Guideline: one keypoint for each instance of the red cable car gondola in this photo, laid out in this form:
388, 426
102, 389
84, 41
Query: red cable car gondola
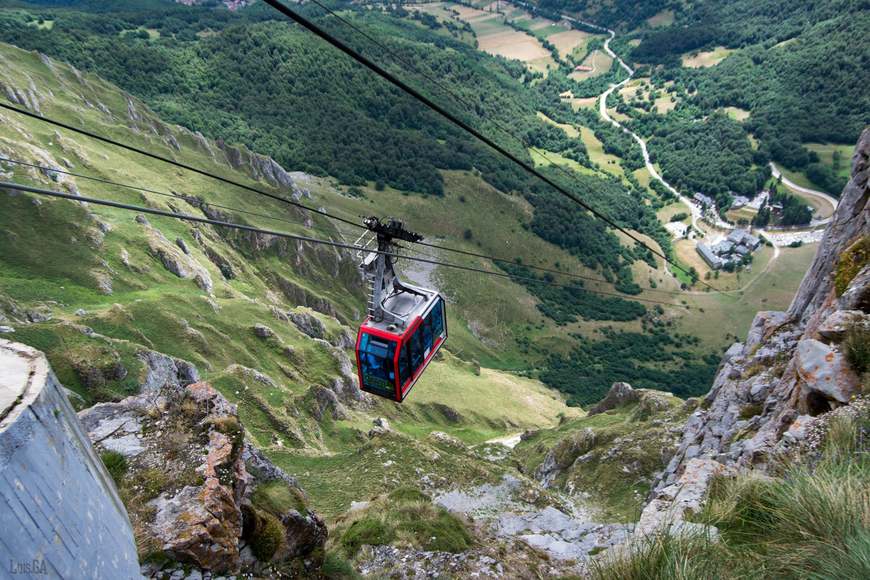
405, 326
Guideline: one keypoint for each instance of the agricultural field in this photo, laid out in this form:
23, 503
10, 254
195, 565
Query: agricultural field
826, 152
706, 59
571, 43
578, 103
736, 113
497, 38
642, 89
663, 18
570, 130
713, 316
607, 162
600, 63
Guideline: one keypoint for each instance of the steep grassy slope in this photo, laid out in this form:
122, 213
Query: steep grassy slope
91, 286
611, 457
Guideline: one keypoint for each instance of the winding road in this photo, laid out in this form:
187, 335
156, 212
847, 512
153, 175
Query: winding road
776, 239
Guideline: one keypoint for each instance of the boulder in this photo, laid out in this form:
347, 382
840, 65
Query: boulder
162, 370
191, 478
263, 331
825, 371
835, 326
620, 394
308, 324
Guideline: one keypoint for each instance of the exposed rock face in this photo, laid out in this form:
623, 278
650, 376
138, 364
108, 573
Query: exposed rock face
162, 370
771, 389
174, 259
191, 479
619, 394
308, 324
682, 498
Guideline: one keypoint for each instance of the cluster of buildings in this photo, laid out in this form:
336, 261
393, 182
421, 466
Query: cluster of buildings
732, 250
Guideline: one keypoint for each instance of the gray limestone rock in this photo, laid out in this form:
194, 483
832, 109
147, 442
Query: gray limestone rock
825, 371
161, 370
263, 331
835, 326
308, 324
620, 394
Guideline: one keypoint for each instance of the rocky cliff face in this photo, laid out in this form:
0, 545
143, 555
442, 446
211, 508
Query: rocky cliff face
196, 492
794, 368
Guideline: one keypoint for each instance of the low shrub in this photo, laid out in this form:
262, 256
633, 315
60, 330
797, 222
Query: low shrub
116, 465
267, 537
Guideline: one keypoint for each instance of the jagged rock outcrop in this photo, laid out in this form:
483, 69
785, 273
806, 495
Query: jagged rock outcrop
162, 370
174, 259
619, 394
791, 369
191, 484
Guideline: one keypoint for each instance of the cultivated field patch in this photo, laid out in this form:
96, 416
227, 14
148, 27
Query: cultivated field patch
736, 113
663, 18
706, 59
570, 42
595, 149
597, 61
498, 39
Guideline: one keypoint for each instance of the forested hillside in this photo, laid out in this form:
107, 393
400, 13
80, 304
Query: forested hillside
797, 69
250, 77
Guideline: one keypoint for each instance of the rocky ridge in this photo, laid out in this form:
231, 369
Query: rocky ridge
196, 492
791, 372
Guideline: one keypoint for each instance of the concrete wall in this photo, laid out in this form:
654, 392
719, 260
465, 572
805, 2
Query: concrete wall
60, 515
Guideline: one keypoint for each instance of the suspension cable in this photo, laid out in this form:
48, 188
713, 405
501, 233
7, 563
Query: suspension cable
179, 164
162, 193
232, 225
46, 168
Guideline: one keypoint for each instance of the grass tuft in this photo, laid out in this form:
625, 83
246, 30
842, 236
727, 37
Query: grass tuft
812, 522
116, 465
368, 531
278, 498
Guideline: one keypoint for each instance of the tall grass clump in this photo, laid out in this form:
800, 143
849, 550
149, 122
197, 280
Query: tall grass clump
813, 521
406, 517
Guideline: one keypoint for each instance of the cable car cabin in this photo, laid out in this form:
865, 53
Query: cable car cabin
391, 359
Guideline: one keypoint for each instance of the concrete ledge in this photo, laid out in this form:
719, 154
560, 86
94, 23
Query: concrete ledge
61, 516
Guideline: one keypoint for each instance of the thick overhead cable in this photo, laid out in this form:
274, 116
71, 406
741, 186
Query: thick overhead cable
185, 166
346, 246
175, 196
380, 71
441, 85
46, 168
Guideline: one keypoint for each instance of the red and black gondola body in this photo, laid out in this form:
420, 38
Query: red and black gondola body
390, 359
